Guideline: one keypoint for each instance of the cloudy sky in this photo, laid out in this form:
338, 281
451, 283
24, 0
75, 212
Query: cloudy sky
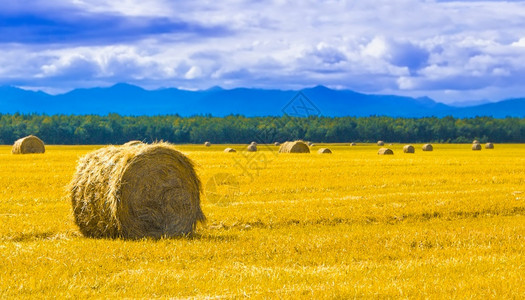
449, 50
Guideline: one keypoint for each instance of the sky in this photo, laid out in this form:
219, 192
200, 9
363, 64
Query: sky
451, 51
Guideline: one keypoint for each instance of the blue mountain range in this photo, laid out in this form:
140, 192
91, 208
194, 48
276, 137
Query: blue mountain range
126, 99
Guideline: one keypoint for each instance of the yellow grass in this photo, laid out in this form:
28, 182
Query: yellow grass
443, 224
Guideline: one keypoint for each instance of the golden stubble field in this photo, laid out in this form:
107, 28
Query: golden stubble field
443, 224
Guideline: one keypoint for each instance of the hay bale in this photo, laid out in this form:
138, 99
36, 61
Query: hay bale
207, 144
135, 192
489, 146
294, 147
353, 144
475, 142
476, 147
230, 150
277, 143
385, 151
324, 151
380, 143
28, 144
252, 148
427, 147
253, 143
133, 143
310, 144
409, 149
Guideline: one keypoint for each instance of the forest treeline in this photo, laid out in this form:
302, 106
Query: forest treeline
116, 129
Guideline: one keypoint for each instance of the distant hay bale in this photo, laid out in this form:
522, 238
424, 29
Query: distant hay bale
310, 144
28, 144
385, 151
252, 148
427, 147
489, 146
380, 143
207, 144
135, 192
133, 143
353, 144
276, 143
409, 149
230, 150
253, 143
324, 151
476, 147
294, 147
475, 142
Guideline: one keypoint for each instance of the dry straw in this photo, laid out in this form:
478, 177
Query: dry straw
489, 146
28, 144
135, 192
380, 143
253, 143
476, 147
230, 150
409, 149
133, 143
294, 147
310, 144
427, 147
207, 144
324, 151
475, 142
252, 148
353, 144
276, 143
385, 151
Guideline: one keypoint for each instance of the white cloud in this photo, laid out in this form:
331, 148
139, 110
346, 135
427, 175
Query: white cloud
414, 46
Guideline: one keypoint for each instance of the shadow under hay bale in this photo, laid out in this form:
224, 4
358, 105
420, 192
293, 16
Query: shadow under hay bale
409, 149
207, 144
27, 145
252, 148
476, 147
135, 192
380, 143
230, 150
294, 147
428, 147
324, 151
489, 146
385, 151
133, 143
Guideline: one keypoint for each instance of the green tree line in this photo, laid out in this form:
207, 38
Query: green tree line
116, 129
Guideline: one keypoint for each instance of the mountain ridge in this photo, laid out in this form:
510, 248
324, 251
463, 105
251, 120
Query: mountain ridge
128, 99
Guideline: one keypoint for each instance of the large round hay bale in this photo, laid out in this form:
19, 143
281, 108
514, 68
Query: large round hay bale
294, 147
475, 142
207, 144
28, 144
380, 143
385, 151
476, 147
324, 151
489, 146
253, 143
135, 192
133, 143
353, 144
252, 148
230, 150
409, 149
427, 147
277, 143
